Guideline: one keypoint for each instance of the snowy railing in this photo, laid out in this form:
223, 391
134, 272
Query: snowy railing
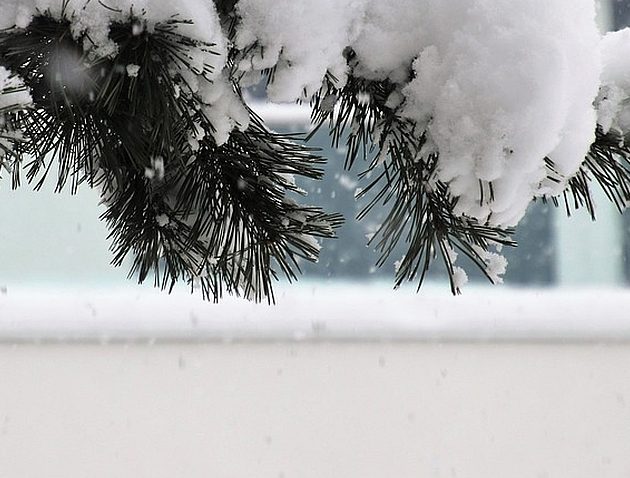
316, 312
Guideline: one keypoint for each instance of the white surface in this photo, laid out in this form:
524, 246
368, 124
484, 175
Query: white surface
304, 311
315, 411
285, 115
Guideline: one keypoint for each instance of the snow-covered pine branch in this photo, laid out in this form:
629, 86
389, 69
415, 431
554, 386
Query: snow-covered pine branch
465, 112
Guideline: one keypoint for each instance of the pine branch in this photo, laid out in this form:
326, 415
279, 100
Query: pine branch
187, 204
608, 164
221, 216
61, 123
225, 221
420, 215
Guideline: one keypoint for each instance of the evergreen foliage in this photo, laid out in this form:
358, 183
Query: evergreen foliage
399, 176
225, 216
608, 164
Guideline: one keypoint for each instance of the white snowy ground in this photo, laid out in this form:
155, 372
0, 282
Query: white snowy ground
313, 388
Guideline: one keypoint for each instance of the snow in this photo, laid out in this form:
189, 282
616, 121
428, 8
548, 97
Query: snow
303, 39
347, 182
460, 278
224, 109
156, 171
162, 220
498, 86
496, 265
133, 70
316, 311
613, 111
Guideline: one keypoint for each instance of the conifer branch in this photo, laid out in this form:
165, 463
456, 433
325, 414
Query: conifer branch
420, 208
607, 164
222, 216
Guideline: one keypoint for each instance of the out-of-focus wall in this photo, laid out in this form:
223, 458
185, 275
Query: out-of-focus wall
308, 410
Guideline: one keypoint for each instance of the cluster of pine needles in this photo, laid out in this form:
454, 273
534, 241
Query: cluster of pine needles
224, 218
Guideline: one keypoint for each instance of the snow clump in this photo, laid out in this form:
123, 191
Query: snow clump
499, 86
613, 102
303, 39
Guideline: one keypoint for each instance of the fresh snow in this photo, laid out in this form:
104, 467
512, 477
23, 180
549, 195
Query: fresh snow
499, 86
315, 311
613, 103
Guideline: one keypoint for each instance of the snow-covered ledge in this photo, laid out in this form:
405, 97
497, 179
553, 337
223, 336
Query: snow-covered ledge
316, 312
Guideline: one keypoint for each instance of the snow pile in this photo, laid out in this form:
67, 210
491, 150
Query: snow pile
613, 102
303, 39
499, 86
222, 106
